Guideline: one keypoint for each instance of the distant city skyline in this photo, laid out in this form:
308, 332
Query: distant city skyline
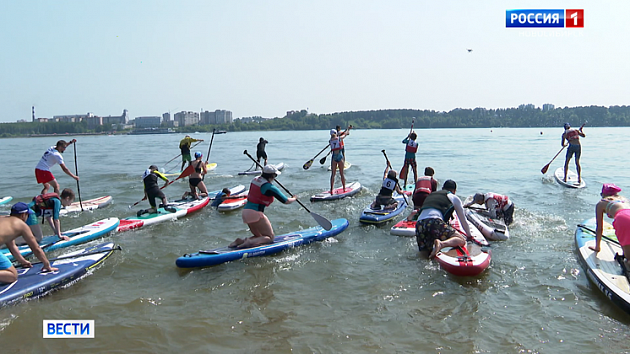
267, 58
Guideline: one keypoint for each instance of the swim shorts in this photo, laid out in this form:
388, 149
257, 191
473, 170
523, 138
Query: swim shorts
622, 226
261, 155
574, 149
384, 200
429, 230
43, 176
337, 156
186, 157
5, 263
152, 194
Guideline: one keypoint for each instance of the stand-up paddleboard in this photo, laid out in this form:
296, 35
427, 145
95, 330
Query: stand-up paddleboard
604, 268
209, 167
469, 260
77, 236
233, 191
339, 193
346, 165
233, 203
173, 211
32, 283
380, 215
572, 179
5, 200
404, 228
408, 190
90, 204
279, 166
492, 229
280, 243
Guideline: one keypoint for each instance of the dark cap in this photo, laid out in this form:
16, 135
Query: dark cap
450, 185
20, 208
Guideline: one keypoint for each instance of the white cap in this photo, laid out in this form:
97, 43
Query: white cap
271, 169
333, 131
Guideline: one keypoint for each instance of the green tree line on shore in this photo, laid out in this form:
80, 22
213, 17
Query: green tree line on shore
523, 116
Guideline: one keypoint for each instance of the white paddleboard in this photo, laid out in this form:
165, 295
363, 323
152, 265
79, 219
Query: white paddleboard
279, 166
572, 179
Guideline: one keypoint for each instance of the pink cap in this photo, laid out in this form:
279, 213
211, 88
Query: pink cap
610, 189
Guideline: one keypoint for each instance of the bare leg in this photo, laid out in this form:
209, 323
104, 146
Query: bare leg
566, 168
8, 276
55, 186
341, 165
262, 231
451, 242
202, 189
333, 166
45, 188
579, 169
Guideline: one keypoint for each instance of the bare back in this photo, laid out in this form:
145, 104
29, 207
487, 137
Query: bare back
11, 228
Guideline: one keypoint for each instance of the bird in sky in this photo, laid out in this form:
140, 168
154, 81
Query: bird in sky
469, 50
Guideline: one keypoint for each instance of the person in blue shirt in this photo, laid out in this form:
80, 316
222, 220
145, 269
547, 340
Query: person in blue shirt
261, 194
221, 197
47, 206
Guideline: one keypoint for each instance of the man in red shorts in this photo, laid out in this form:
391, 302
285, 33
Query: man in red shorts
52, 157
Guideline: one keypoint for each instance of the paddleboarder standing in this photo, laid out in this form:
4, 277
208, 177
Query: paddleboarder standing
572, 136
337, 160
411, 146
184, 146
52, 157
261, 194
260, 151
152, 190
12, 227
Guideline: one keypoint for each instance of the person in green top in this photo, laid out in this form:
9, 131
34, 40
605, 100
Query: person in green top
184, 146
261, 194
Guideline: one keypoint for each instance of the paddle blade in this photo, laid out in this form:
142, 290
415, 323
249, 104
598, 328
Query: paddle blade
323, 160
187, 172
308, 164
322, 221
544, 169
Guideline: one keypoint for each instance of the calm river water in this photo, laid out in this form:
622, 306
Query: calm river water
364, 291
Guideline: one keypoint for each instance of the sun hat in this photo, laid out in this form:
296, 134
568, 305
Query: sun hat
271, 169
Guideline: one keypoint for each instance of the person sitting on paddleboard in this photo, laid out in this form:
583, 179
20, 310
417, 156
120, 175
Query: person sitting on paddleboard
384, 196
618, 208
261, 194
221, 197
572, 136
337, 160
411, 146
184, 147
196, 178
425, 185
433, 229
12, 227
51, 157
499, 206
152, 190
260, 151
48, 207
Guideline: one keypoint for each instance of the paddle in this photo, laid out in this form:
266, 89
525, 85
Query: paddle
187, 172
390, 166
546, 167
322, 221
208, 155
323, 159
180, 154
595, 233
76, 171
308, 163
117, 248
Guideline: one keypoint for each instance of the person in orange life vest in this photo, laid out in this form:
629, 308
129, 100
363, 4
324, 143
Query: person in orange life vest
572, 136
618, 208
343, 134
337, 160
47, 206
424, 186
12, 227
261, 194
411, 146
384, 197
52, 157
499, 206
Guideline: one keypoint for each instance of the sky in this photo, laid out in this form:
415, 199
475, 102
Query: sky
264, 58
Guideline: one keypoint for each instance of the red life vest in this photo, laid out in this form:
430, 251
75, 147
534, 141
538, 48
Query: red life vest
412, 146
336, 144
572, 134
423, 184
502, 200
43, 201
255, 195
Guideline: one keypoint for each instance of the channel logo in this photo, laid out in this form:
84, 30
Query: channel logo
559, 18
68, 328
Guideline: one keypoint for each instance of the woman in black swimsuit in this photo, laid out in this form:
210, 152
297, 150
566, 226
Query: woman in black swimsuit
195, 180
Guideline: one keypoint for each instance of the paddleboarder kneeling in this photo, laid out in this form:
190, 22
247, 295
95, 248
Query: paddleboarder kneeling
572, 136
618, 208
261, 194
196, 178
432, 228
12, 227
384, 196
499, 206
48, 207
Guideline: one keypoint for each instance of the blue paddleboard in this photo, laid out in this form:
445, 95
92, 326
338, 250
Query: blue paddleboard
5, 200
379, 216
282, 242
32, 283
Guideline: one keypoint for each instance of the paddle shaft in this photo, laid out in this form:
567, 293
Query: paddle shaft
197, 143
595, 232
76, 171
276, 180
546, 167
210, 147
390, 166
117, 248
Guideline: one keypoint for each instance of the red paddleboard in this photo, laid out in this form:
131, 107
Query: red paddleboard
404, 228
339, 193
469, 260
